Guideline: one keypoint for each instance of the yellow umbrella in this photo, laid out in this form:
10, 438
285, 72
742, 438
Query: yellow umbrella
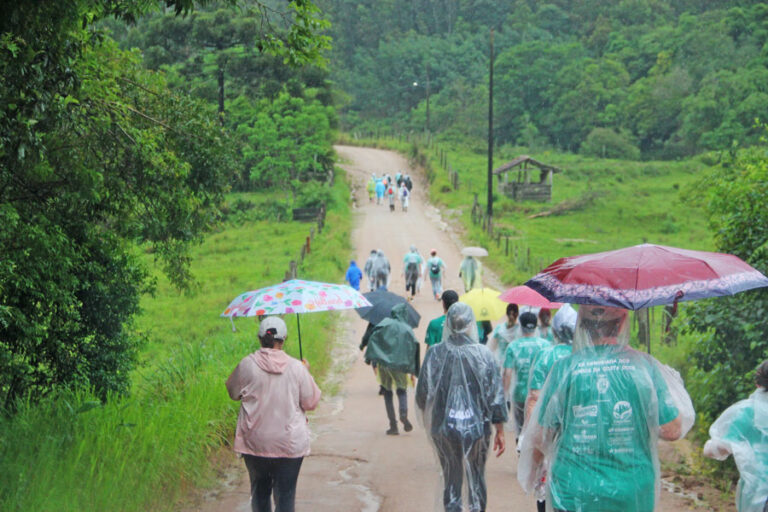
485, 303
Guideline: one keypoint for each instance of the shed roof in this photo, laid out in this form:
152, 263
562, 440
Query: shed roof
525, 159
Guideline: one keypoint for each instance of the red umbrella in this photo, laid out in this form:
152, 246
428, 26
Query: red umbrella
645, 275
526, 296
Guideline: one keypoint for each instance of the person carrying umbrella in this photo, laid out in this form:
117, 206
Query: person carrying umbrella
517, 364
381, 271
353, 275
460, 396
436, 268
598, 419
412, 269
742, 431
392, 348
470, 273
275, 391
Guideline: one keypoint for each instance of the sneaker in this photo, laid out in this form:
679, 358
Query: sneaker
407, 425
392, 431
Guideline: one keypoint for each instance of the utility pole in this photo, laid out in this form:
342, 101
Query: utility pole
490, 134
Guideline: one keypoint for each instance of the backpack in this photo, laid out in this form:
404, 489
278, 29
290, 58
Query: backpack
434, 268
390, 191
405, 192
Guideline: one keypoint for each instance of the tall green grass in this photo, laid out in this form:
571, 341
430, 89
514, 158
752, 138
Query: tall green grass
142, 452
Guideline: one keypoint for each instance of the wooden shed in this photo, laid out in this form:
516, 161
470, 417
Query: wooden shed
526, 186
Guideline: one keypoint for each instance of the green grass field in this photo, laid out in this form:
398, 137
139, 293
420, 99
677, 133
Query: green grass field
142, 452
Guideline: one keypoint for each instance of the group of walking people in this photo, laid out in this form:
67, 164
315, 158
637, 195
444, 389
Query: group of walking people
386, 189
587, 409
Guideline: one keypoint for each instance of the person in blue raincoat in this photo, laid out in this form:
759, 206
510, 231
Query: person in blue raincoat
380, 188
353, 275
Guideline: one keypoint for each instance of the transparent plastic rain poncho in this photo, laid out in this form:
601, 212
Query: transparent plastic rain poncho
460, 395
471, 273
594, 430
380, 270
742, 430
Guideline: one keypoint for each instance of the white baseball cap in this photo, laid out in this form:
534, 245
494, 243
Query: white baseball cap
276, 324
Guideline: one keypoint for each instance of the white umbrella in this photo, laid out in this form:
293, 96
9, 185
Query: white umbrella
474, 251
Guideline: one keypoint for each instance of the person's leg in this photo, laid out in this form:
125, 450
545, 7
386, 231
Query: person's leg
519, 416
389, 405
541, 506
286, 476
261, 477
402, 402
450, 458
475, 457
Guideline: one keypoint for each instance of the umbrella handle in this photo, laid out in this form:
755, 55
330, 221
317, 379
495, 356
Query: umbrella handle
298, 328
233, 324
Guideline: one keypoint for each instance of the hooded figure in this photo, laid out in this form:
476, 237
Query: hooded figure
380, 268
412, 265
393, 349
470, 273
353, 275
460, 395
368, 269
742, 430
595, 428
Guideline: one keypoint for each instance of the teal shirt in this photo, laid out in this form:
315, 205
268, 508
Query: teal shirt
519, 356
603, 402
435, 260
435, 331
543, 364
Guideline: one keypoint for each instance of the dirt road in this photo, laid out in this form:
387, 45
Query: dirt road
354, 466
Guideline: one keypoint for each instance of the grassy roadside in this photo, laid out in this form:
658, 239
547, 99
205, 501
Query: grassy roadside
70, 453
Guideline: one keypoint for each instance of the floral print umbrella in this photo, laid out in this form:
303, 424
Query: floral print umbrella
296, 296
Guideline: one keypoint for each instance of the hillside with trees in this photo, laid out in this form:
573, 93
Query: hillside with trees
648, 78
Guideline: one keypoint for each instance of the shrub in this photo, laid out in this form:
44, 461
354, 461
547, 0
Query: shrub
606, 143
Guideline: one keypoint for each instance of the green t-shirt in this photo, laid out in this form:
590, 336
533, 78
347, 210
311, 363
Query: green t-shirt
435, 331
435, 260
543, 364
519, 356
603, 401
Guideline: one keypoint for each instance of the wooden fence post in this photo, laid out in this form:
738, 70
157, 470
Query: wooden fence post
506, 246
294, 266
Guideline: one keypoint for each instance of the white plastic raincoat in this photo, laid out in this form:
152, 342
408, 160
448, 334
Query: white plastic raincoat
460, 395
742, 430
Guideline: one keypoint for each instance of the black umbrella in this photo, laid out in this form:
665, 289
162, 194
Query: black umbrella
383, 301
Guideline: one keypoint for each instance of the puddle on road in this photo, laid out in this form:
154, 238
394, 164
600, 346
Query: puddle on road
677, 490
370, 501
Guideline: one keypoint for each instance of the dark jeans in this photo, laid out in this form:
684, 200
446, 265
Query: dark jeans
269, 473
519, 416
458, 457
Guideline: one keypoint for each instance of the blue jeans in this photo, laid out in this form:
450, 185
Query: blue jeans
437, 285
273, 473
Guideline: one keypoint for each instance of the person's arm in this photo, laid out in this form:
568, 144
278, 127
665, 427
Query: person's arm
507, 380
716, 449
499, 444
671, 430
235, 382
530, 403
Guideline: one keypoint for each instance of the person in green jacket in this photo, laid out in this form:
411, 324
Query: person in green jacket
517, 364
597, 423
392, 347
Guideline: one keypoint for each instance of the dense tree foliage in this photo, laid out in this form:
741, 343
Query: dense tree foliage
99, 158
673, 77
734, 332
217, 55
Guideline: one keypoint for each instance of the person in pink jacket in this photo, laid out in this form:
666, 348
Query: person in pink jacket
275, 391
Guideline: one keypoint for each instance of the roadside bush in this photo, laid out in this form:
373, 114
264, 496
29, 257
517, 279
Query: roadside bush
606, 143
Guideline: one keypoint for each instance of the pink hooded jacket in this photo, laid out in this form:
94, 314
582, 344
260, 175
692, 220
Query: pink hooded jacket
275, 390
